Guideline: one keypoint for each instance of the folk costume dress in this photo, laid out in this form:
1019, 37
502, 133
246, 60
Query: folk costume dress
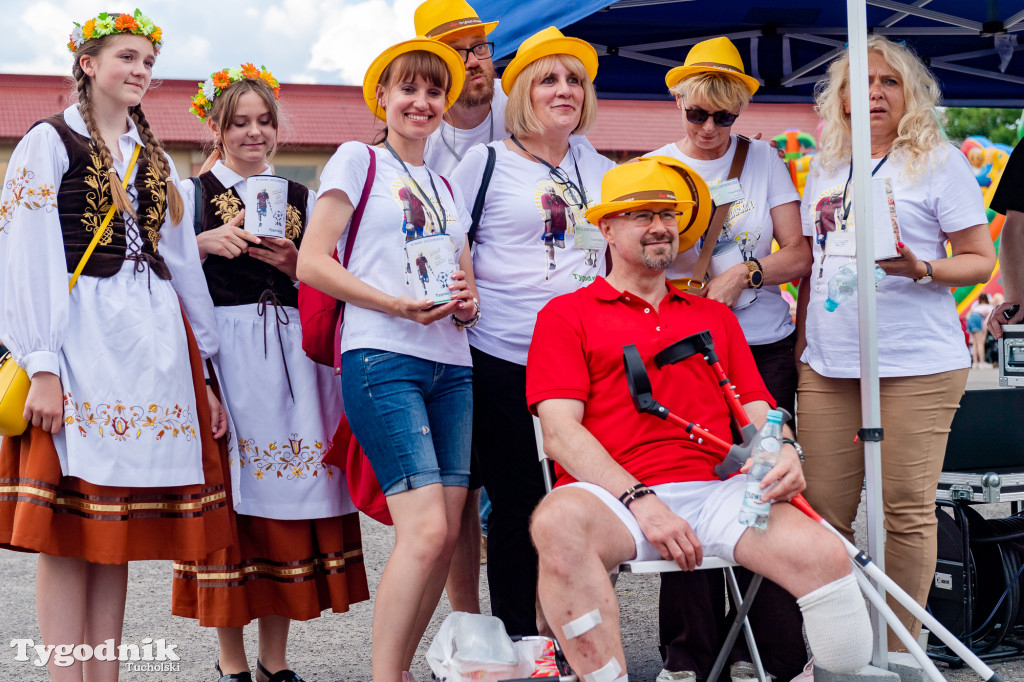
134, 473
299, 548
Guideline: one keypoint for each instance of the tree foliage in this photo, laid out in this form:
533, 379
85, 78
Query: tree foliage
998, 125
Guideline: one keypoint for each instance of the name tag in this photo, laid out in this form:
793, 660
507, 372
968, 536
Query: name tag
726, 191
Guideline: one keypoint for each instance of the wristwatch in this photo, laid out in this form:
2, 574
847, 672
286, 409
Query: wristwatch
927, 276
755, 278
796, 446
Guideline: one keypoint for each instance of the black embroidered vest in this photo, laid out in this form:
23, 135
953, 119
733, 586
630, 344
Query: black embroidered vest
83, 201
242, 280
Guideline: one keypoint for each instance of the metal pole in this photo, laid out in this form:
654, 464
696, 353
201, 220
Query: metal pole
866, 306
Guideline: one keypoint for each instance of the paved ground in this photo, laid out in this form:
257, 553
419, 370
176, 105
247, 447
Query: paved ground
336, 646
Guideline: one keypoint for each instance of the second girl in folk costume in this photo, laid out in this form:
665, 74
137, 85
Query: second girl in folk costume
299, 548
119, 463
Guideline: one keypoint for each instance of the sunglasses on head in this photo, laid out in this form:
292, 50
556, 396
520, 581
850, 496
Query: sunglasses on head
722, 119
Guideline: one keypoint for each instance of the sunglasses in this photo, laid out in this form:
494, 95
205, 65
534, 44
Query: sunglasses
722, 119
571, 192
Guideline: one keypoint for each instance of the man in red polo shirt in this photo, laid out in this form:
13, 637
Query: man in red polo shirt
604, 448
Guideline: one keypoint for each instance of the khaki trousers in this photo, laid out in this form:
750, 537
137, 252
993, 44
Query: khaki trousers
916, 414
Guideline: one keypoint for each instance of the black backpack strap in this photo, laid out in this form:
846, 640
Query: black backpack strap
481, 194
197, 200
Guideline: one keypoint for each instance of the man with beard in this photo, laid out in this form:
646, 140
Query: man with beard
633, 486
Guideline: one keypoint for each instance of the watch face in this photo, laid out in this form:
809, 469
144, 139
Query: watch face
756, 279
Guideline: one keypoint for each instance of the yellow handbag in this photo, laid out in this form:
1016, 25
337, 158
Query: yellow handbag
14, 380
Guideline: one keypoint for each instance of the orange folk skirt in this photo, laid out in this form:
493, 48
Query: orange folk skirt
293, 569
42, 510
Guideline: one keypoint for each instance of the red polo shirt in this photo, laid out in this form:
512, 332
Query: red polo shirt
576, 353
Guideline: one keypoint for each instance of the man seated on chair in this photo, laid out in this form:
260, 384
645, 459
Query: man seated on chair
604, 448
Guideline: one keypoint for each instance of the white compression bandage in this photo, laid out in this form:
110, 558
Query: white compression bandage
838, 628
608, 673
585, 623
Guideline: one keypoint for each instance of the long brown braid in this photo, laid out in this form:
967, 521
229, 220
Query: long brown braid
155, 152
84, 84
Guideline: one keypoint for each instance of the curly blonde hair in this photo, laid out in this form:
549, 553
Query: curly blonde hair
919, 132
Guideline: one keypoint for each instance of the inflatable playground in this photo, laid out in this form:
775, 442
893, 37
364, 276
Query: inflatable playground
986, 157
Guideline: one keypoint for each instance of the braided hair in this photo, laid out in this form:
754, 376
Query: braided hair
222, 111
154, 149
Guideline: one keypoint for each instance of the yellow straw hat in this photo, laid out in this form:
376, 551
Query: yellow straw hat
657, 180
715, 55
451, 58
544, 43
436, 18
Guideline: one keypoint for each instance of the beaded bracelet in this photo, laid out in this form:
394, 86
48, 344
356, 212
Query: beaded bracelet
639, 493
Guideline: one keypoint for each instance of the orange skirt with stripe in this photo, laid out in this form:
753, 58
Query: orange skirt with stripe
42, 510
294, 569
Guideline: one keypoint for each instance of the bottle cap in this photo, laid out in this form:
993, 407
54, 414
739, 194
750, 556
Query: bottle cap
830, 305
775, 416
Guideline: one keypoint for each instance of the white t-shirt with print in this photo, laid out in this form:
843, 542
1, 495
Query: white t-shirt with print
510, 259
378, 255
766, 184
918, 328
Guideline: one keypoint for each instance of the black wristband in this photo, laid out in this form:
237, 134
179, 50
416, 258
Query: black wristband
209, 381
639, 493
623, 496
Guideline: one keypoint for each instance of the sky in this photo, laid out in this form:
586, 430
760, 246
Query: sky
299, 41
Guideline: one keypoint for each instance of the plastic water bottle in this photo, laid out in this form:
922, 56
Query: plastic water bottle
767, 451
843, 284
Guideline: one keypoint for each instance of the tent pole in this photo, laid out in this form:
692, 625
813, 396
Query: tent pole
866, 305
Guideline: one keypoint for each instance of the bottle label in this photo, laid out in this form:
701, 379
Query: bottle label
770, 444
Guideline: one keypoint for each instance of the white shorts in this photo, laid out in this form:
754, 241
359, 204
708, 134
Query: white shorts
711, 508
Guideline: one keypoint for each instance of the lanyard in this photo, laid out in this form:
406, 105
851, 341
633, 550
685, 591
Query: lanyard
558, 173
442, 219
490, 136
848, 206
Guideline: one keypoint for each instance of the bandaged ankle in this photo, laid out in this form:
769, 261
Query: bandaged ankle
838, 628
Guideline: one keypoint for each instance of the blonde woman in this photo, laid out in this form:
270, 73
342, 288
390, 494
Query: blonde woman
533, 243
923, 362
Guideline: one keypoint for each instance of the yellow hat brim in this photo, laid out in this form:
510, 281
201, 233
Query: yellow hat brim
451, 58
673, 77
575, 47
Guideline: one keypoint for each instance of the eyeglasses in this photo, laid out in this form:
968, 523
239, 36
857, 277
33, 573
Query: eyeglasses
645, 218
722, 119
481, 50
571, 192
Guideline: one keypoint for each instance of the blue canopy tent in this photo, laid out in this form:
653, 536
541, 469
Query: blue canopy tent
971, 46
784, 43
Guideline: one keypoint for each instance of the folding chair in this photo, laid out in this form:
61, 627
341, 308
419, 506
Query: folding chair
743, 602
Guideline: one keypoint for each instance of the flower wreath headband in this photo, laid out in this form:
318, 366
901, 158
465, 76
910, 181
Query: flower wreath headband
215, 84
108, 24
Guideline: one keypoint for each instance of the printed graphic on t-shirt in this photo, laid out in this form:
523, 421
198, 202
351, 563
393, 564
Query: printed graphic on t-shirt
745, 236
824, 215
562, 211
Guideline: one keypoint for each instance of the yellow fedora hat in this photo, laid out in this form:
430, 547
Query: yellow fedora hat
436, 18
548, 42
715, 55
657, 180
451, 58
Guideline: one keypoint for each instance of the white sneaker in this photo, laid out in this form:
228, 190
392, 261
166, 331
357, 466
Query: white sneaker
742, 671
682, 676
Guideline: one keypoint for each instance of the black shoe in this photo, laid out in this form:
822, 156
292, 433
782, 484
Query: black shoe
234, 677
279, 676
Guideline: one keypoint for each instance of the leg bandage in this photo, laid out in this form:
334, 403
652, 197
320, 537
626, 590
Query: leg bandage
609, 673
838, 628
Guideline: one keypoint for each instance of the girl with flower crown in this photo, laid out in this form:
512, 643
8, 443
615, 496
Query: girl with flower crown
298, 549
119, 462
406, 375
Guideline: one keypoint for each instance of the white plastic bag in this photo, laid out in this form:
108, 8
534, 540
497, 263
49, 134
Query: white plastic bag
473, 647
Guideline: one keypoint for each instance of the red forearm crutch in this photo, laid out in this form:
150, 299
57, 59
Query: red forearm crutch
639, 383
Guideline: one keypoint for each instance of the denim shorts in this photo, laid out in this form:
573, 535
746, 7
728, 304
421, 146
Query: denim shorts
413, 417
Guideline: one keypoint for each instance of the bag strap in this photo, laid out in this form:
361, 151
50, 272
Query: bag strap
696, 283
197, 216
481, 194
357, 216
106, 221
448, 185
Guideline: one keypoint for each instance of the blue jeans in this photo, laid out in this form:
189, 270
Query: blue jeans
413, 417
